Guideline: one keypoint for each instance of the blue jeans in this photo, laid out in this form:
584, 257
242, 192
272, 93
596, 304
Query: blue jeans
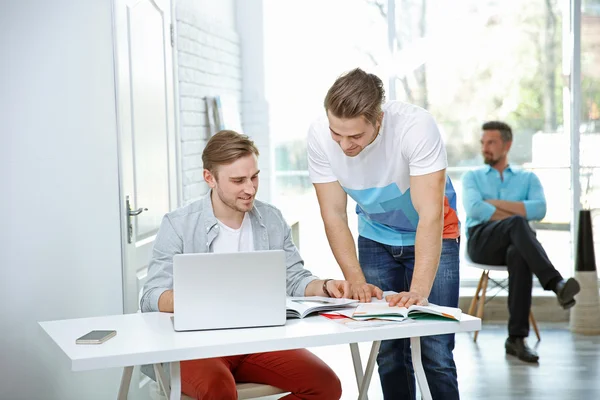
391, 268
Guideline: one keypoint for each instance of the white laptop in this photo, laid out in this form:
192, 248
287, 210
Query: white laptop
229, 290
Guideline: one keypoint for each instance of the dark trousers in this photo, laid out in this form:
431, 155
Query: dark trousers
512, 242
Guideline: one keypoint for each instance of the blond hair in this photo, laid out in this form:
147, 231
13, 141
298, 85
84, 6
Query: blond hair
356, 94
226, 147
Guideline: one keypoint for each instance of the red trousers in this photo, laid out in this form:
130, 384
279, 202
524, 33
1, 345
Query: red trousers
297, 371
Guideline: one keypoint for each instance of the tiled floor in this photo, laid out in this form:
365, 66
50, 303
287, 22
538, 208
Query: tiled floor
569, 367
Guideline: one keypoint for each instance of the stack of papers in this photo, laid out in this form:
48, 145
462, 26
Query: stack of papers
345, 318
300, 307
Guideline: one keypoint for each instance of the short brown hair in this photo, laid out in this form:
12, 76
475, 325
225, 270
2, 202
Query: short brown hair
503, 127
225, 147
356, 94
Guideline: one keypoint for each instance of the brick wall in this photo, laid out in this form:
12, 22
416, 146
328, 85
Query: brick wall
208, 58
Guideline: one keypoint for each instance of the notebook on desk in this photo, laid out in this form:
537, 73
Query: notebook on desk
229, 290
382, 310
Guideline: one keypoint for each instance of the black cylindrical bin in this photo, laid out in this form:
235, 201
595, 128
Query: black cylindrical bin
586, 259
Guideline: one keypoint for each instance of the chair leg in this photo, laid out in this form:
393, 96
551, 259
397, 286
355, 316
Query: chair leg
476, 296
534, 324
481, 304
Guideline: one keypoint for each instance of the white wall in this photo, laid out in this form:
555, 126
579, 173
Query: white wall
208, 58
60, 236
60, 252
255, 108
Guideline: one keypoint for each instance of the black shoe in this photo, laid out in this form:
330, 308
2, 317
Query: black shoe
566, 291
517, 347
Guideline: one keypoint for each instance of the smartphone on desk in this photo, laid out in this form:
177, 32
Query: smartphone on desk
96, 337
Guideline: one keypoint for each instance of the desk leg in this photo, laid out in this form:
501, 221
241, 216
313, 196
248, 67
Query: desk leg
417, 360
163, 384
125, 382
175, 381
366, 380
358, 369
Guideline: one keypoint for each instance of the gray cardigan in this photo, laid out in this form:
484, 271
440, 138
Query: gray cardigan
192, 229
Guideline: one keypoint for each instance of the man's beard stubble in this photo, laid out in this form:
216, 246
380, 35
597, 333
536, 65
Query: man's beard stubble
490, 161
231, 204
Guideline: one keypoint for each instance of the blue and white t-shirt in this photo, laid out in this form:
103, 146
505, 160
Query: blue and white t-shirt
378, 179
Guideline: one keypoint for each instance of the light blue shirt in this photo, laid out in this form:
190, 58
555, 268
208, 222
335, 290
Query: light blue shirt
486, 184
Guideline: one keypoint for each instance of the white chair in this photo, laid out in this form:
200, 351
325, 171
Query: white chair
250, 391
479, 299
245, 391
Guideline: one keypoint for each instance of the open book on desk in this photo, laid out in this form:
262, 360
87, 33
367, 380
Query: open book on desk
382, 310
300, 307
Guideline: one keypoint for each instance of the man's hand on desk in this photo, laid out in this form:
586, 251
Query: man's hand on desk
406, 299
363, 292
337, 289
343, 289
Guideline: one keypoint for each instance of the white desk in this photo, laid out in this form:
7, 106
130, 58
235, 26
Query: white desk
149, 338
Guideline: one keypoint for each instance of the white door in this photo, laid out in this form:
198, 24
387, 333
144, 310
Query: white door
146, 122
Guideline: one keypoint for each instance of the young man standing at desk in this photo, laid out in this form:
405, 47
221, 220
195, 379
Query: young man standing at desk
229, 219
390, 158
500, 201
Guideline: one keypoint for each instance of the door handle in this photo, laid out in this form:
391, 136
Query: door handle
136, 212
131, 213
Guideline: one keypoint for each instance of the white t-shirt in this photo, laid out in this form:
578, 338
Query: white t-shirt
378, 179
231, 240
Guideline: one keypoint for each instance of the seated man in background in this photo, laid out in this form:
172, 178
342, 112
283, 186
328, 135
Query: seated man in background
499, 201
228, 219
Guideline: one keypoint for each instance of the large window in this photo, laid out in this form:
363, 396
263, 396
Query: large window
503, 61
466, 62
590, 114
308, 44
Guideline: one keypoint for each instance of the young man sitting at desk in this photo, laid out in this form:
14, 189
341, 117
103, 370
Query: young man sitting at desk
229, 219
